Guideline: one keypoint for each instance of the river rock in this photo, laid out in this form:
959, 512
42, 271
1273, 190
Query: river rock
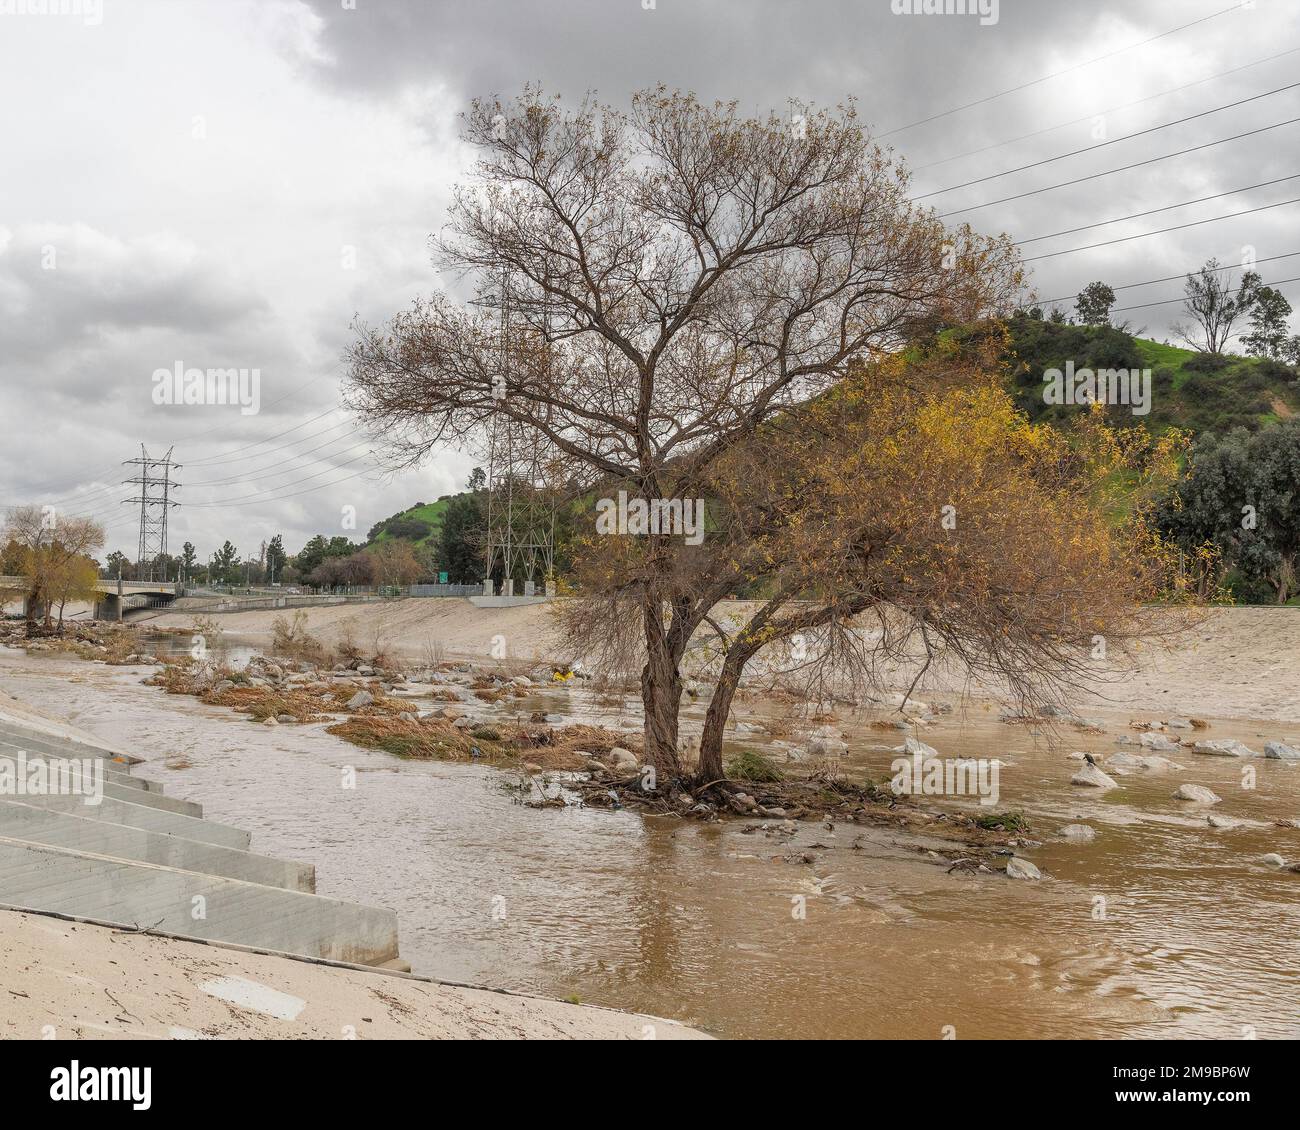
624, 760
1273, 860
1280, 751
1214, 820
1124, 762
1093, 777
1224, 747
1198, 793
521, 681
1179, 723
360, 699
1158, 742
913, 746
269, 721
1080, 833
1018, 868
825, 741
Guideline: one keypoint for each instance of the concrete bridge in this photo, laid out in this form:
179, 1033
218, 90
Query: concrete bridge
116, 596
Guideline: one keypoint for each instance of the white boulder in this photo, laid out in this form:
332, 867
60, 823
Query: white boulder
1093, 777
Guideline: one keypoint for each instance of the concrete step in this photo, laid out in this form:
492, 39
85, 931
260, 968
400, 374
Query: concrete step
153, 800
114, 771
116, 774
115, 811
58, 745
34, 824
57, 880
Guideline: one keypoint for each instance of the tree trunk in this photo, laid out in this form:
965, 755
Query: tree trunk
715, 720
661, 694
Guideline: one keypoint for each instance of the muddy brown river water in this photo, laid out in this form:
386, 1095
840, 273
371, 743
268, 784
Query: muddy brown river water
1160, 927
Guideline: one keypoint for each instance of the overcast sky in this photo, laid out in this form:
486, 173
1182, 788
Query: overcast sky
229, 184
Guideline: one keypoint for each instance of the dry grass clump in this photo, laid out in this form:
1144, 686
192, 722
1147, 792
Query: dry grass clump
292, 639
437, 739
266, 702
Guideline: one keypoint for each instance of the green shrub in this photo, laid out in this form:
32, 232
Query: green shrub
750, 765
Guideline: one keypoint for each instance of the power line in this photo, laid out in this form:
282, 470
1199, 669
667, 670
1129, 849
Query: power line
1153, 211
1057, 74
1099, 113
192, 436
92, 496
263, 442
271, 490
277, 474
309, 490
1121, 169
1162, 231
1171, 301
1152, 282
1106, 144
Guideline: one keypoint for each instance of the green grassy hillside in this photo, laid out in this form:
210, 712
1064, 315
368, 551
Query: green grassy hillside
1198, 391
421, 523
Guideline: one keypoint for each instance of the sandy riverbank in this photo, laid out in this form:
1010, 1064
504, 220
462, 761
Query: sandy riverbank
1237, 663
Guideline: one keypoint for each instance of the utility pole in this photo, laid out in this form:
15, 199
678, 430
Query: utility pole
155, 503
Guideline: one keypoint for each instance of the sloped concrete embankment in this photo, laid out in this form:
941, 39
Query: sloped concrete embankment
143, 860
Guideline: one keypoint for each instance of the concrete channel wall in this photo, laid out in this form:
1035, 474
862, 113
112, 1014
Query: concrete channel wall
143, 860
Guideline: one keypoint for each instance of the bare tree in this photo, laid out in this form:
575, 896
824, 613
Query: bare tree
676, 275
1214, 307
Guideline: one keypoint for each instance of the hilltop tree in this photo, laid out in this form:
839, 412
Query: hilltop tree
1269, 335
1214, 307
675, 276
1094, 303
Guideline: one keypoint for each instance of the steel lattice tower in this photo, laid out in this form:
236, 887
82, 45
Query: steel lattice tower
155, 503
521, 506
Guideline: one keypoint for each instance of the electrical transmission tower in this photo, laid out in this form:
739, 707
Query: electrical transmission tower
155, 503
520, 539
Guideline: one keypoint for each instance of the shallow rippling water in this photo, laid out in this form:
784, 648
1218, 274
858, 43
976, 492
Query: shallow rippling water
1198, 937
